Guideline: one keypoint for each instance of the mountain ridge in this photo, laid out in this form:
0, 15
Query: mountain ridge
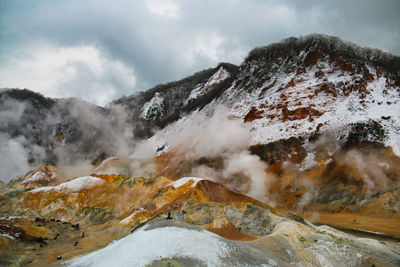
332, 44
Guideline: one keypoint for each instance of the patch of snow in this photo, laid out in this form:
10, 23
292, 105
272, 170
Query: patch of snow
9, 218
185, 180
153, 107
219, 76
74, 185
143, 246
37, 177
371, 232
7, 235
199, 90
195, 93
130, 217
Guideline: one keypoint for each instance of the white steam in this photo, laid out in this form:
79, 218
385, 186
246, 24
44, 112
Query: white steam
90, 131
370, 169
199, 136
14, 158
252, 167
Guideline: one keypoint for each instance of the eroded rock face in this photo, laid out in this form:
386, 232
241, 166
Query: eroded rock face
255, 220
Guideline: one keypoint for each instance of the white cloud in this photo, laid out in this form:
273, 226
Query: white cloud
284, 14
205, 45
82, 71
165, 8
213, 47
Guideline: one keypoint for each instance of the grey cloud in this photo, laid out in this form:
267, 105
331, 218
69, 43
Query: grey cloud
161, 48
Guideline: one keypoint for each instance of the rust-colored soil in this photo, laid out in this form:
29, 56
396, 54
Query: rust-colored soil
382, 226
229, 231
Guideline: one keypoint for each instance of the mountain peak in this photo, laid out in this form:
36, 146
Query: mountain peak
325, 44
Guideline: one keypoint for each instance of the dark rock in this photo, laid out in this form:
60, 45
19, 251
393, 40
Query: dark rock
280, 150
365, 132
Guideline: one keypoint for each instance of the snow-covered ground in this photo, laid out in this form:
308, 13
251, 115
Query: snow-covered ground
149, 244
128, 219
74, 185
185, 180
39, 176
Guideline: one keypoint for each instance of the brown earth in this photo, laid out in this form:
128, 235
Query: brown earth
62, 223
389, 227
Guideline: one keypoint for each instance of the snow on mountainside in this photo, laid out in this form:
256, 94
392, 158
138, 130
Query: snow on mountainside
153, 109
295, 104
302, 125
185, 180
166, 103
76, 185
310, 85
202, 89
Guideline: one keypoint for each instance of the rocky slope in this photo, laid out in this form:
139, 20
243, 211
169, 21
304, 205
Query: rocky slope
320, 112
184, 222
64, 131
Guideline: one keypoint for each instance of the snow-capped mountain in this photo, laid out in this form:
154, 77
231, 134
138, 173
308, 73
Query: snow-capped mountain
318, 111
158, 107
300, 87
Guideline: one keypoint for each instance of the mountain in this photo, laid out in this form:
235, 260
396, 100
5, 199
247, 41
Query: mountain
166, 103
321, 112
66, 131
304, 132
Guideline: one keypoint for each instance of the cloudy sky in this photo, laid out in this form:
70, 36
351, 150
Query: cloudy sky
101, 50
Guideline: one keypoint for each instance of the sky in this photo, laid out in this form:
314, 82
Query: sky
101, 50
